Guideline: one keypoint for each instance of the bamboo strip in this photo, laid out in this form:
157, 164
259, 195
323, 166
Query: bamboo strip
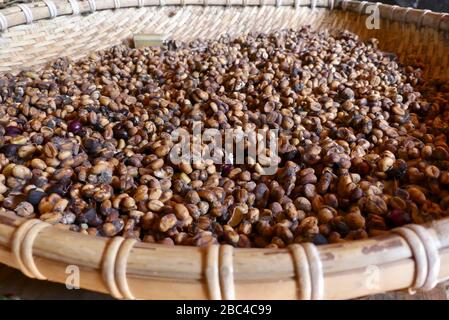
146, 281
75, 36
15, 17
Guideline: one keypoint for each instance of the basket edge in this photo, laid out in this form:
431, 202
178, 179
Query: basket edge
27, 14
223, 268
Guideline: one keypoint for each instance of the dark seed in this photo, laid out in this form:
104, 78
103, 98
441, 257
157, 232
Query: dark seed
13, 131
341, 227
35, 196
362, 168
38, 180
290, 156
91, 145
319, 239
10, 150
398, 170
91, 218
399, 218
120, 132
298, 87
226, 169
56, 189
74, 126
347, 94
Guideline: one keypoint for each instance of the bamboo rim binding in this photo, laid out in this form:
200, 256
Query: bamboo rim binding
313, 267
127, 269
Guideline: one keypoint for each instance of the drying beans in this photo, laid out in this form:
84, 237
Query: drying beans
362, 141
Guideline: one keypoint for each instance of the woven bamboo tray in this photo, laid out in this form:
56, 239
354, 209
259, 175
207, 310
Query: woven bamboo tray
409, 257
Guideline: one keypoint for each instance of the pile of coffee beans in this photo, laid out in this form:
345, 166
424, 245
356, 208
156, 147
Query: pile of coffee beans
361, 146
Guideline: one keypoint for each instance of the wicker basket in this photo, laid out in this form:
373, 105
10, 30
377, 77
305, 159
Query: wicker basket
409, 257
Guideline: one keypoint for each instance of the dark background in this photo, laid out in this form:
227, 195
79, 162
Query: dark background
434, 5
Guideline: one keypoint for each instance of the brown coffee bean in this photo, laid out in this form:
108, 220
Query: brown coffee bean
167, 222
